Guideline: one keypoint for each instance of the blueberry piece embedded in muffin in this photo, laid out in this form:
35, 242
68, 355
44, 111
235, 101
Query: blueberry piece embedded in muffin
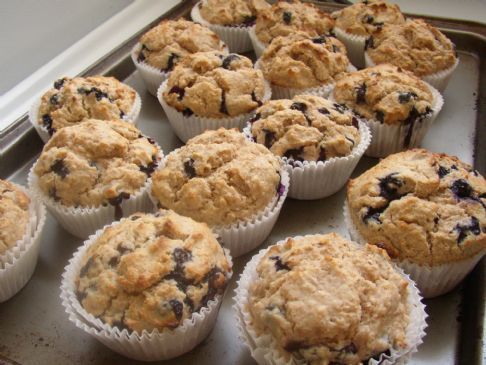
171, 62
389, 186
404, 98
464, 229
361, 94
287, 17
177, 90
228, 59
443, 171
189, 168
369, 43
58, 84
59, 168
279, 264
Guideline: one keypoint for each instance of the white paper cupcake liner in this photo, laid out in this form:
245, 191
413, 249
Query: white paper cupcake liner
43, 133
187, 127
145, 346
264, 348
151, 76
439, 80
243, 236
388, 139
432, 281
355, 45
20, 264
316, 180
236, 38
83, 221
258, 46
279, 92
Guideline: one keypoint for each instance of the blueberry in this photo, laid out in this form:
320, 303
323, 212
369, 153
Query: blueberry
223, 109
47, 121
368, 19
341, 108
181, 256
177, 308
319, 40
150, 168
255, 118
58, 84
255, 99
443, 171
380, 116
212, 278
141, 55
322, 154
177, 90
389, 186
324, 111
294, 154
269, 138
302, 108
59, 168
374, 214
84, 270
404, 98
335, 48
279, 265
122, 114
292, 346
287, 17
116, 202
463, 230
248, 21
171, 62
54, 99
187, 112
369, 43
189, 168
355, 123
228, 59
461, 188
361, 94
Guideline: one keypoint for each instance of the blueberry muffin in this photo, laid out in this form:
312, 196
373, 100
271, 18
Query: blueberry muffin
414, 46
385, 93
14, 215
326, 300
423, 207
239, 13
72, 100
306, 128
285, 18
365, 17
215, 85
300, 61
151, 272
219, 178
95, 163
165, 45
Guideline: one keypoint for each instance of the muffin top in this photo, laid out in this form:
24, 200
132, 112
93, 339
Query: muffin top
420, 206
96, 162
151, 272
364, 18
215, 85
165, 45
327, 300
218, 177
232, 12
307, 128
72, 100
14, 214
300, 61
414, 46
385, 93
285, 18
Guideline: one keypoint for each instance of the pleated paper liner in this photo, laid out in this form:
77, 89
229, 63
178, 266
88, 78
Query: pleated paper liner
432, 281
145, 346
439, 80
83, 221
319, 179
186, 127
265, 350
43, 133
258, 46
392, 138
279, 92
355, 46
18, 265
236, 37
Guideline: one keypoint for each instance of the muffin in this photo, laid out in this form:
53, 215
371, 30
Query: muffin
70, 101
285, 18
320, 142
355, 23
300, 63
427, 211
226, 181
321, 299
208, 90
94, 172
231, 20
414, 46
160, 49
160, 274
398, 107
21, 222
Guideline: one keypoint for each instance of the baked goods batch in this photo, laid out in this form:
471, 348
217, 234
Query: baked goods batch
159, 232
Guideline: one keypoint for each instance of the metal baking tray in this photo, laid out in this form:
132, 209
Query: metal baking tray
35, 330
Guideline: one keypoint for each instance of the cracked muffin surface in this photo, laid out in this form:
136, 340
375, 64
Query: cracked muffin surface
219, 178
306, 128
72, 100
14, 214
414, 46
385, 93
364, 18
421, 206
215, 85
165, 45
96, 163
300, 61
232, 12
327, 300
152, 271
285, 18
